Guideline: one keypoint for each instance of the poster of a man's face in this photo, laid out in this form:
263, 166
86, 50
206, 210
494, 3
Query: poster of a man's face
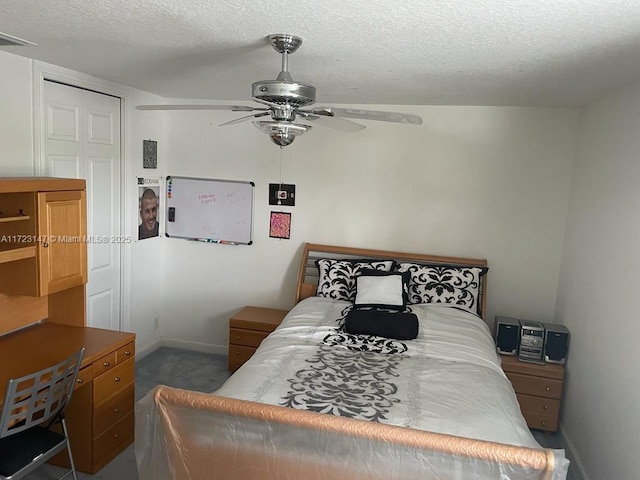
148, 226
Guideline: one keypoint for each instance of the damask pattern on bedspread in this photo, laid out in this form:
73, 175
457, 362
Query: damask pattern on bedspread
354, 381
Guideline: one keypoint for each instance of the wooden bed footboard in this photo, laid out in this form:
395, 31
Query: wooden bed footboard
184, 435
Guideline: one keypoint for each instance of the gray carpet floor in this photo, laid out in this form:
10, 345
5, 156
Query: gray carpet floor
202, 372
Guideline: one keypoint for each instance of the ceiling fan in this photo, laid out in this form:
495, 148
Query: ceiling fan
284, 100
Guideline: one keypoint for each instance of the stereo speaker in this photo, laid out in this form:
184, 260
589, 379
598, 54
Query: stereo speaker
556, 343
507, 335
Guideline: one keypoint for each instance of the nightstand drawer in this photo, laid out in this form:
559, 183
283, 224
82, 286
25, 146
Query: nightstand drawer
249, 338
541, 422
539, 405
237, 352
540, 386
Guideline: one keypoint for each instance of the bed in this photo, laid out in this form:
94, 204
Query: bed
383, 369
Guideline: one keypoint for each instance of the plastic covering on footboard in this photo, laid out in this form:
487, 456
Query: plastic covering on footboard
184, 435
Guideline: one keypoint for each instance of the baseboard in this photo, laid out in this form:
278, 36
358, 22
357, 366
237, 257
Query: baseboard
577, 466
195, 346
184, 345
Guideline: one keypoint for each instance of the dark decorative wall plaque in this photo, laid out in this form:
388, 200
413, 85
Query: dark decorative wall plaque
149, 154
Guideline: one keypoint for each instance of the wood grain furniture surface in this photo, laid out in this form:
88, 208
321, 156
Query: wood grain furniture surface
43, 251
100, 415
539, 391
247, 329
43, 272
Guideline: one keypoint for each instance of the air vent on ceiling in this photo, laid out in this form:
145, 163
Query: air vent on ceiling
11, 41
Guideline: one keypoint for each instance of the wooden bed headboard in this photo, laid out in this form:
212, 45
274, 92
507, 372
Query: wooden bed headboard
308, 272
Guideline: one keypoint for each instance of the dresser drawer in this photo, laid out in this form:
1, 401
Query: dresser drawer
249, 338
115, 438
104, 363
539, 386
113, 382
541, 422
126, 352
235, 364
112, 411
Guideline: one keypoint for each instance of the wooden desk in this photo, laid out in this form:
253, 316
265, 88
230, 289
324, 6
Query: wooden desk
100, 415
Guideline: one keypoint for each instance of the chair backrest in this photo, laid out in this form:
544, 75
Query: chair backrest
40, 396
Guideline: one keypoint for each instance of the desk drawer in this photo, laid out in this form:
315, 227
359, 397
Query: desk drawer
249, 338
114, 438
126, 352
104, 363
112, 411
84, 376
113, 382
540, 386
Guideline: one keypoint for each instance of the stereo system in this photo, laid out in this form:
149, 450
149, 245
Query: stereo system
531, 341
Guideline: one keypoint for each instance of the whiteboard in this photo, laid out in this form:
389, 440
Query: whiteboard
209, 210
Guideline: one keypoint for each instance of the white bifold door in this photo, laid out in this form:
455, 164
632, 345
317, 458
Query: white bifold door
82, 140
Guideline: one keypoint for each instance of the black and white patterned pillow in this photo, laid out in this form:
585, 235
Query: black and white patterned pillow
444, 284
338, 277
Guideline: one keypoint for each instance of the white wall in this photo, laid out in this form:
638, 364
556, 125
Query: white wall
16, 132
471, 181
598, 289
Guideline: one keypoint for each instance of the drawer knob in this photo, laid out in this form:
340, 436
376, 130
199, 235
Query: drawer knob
544, 423
116, 410
237, 337
545, 407
106, 364
237, 353
80, 380
116, 436
548, 389
127, 353
116, 379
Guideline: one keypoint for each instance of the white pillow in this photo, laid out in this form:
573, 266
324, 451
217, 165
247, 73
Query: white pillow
379, 291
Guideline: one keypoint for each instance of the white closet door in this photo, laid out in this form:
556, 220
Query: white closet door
82, 140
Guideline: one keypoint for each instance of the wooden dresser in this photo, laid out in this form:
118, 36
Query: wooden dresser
247, 329
539, 391
43, 272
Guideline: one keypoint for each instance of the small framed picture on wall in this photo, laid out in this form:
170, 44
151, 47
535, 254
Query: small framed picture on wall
280, 225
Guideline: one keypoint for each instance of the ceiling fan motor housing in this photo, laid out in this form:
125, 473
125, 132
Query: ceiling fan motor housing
276, 91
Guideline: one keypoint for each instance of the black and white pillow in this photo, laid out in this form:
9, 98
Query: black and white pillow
444, 284
379, 289
338, 277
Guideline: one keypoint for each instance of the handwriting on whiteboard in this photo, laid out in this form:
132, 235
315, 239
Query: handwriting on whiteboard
207, 198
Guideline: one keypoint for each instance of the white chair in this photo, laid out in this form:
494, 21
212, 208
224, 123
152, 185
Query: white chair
33, 404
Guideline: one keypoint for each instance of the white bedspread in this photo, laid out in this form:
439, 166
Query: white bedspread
448, 380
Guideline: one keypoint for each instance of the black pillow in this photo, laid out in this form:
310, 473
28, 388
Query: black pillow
398, 325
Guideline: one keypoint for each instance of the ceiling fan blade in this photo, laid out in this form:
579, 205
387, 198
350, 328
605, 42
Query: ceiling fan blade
335, 123
264, 102
244, 119
234, 108
395, 117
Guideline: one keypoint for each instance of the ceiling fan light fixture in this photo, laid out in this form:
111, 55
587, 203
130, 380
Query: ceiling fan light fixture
282, 133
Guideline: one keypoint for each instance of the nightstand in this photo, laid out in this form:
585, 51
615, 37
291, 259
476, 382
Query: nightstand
539, 391
247, 329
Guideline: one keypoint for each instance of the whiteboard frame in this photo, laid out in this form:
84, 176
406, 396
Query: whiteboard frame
220, 180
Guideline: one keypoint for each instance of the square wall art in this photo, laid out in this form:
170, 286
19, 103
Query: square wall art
280, 226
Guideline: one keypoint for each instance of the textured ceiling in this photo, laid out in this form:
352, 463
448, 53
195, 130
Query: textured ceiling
455, 52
